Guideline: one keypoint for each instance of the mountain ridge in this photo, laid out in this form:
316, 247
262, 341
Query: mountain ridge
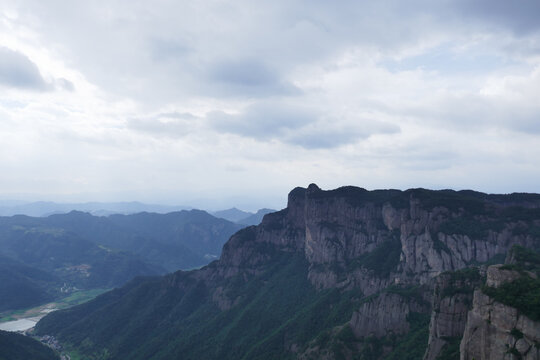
362, 252
43, 258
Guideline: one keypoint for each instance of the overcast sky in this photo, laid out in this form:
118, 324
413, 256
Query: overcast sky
221, 103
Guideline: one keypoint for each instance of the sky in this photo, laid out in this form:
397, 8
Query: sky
234, 103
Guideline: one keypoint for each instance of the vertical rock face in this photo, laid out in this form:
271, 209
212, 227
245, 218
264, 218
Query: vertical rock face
337, 230
497, 331
385, 315
452, 300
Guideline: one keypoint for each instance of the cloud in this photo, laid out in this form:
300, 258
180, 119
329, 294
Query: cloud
330, 134
248, 77
262, 120
18, 71
521, 17
167, 50
172, 124
500, 103
381, 94
64, 84
301, 126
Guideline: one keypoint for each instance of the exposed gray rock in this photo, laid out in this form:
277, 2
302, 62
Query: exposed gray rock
333, 231
492, 328
497, 276
384, 315
451, 303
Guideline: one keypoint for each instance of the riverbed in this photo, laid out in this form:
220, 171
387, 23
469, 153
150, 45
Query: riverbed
19, 325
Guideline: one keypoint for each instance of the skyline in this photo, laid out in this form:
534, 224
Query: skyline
174, 103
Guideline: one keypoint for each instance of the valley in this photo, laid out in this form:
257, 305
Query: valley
25, 319
55, 258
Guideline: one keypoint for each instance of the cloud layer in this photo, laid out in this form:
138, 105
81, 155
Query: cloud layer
185, 101
16, 70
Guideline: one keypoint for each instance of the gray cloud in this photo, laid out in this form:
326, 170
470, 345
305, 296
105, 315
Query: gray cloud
264, 120
244, 73
165, 50
329, 134
172, 124
245, 49
249, 77
476, 113
17, 70
522, 17
296, 126
461, 83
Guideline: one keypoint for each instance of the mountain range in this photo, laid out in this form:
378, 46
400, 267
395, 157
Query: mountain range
46, 208
43, 258
242, 217
340, 274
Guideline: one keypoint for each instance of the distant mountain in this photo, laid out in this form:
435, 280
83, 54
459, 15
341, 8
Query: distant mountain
243, 217
14, 346
340, 274
41, 255
177, 240
232, 214
256, 218
67, 256
45, 208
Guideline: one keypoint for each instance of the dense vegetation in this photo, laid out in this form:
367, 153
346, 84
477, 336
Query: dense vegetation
450, 350
276, 303
14, 346
22, 286
383, 259
466, 200
178, 240
522, 293
39, 257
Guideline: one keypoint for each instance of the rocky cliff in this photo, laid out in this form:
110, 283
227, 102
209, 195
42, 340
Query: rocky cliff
451, 301
504, 322
347, 273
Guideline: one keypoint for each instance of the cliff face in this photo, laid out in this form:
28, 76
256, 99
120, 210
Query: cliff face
369, 269
452, 300
498, 331
417, 235
385, 315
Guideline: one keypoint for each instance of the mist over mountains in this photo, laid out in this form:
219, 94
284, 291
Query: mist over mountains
46, 208
44, 258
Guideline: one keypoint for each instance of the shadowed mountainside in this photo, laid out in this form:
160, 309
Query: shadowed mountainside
19, 347
44, 258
